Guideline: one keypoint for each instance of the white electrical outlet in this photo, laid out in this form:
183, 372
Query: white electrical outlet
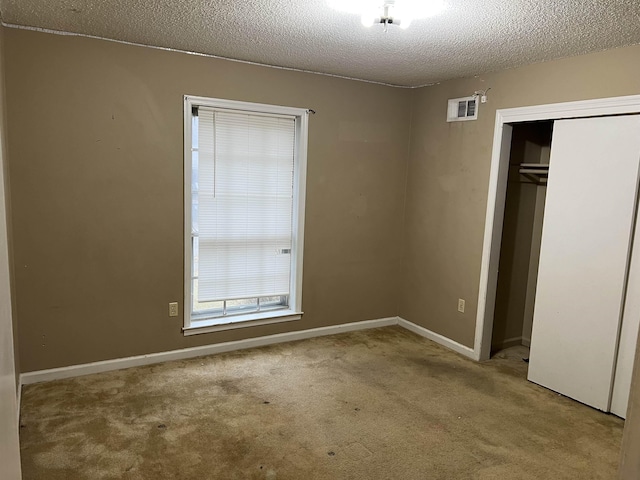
461, 303
173, 309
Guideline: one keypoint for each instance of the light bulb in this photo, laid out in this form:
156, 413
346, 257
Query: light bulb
368, 19
369, 15
405, 22
408, 10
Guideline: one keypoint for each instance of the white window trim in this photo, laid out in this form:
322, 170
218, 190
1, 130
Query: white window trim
197, 325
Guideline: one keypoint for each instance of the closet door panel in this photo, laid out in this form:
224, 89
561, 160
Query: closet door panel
590, 205
628, 333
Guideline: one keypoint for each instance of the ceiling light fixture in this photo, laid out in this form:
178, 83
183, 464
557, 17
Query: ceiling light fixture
386, 12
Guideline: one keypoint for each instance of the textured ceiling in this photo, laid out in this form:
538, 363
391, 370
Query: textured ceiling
470, 37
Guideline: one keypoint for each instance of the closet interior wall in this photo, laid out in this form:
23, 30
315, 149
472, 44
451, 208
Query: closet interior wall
521, 234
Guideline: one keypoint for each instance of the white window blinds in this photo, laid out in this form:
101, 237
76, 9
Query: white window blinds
245, 204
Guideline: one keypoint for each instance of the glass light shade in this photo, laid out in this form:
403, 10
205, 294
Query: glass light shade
413, 9
403, 11
368, 19
405, 22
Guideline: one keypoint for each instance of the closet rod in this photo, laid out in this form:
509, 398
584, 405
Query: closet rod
538, 172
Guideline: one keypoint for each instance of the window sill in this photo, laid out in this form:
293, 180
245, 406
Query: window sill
209, 325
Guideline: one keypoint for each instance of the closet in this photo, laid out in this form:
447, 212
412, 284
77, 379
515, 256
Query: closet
521, 234
583, 274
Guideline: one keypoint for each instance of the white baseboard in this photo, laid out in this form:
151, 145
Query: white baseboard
119, 363
512, 342
509, 342
436, 337
139, 360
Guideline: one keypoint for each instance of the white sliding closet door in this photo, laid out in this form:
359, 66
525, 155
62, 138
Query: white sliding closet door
628, 334
589, 212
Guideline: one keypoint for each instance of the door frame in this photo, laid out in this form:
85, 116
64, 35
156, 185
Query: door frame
498, 186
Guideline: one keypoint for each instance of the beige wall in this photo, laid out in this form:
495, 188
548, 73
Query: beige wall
6, 197
95, 140
9, 444
448, 177
95, 143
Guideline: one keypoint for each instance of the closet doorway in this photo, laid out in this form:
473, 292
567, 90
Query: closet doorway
507, 285
521, 234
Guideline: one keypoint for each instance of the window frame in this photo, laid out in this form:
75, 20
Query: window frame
195, 324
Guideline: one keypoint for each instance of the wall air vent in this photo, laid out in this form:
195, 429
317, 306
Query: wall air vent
462, 109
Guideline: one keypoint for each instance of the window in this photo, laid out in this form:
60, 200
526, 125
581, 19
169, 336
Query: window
245, 168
